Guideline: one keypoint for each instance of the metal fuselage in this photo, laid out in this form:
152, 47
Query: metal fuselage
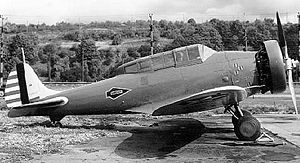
152, 89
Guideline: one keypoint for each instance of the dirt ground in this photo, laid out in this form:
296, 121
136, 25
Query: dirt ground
197, 137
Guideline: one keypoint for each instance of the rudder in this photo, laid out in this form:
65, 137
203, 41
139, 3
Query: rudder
12, 90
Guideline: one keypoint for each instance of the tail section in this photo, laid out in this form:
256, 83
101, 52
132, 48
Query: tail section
12, 90
23, 87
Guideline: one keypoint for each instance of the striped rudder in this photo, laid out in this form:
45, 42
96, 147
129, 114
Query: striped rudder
23, 86
12, 90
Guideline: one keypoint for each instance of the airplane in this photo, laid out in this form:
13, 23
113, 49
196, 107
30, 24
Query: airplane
188, 79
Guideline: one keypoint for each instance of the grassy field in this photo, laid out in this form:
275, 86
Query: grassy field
21, 138
278, 103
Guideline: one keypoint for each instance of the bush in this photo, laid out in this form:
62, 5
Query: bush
41, 70
117, 39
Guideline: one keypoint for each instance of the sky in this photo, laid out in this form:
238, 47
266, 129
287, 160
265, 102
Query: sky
85, 11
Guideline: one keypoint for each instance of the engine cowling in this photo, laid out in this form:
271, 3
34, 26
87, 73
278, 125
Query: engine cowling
277, 67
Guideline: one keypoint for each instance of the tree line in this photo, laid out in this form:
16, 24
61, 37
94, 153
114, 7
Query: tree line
43, 49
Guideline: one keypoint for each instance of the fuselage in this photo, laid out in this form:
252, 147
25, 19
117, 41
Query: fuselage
154, 88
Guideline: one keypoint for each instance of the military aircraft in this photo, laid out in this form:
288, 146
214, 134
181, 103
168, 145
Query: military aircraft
188, 79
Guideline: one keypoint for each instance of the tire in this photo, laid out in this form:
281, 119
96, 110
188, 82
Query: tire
245, 113
58, 124
247, 128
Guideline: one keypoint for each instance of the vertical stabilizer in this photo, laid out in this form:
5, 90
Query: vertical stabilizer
23, 87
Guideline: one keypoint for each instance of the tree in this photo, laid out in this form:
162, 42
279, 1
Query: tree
28, 43
117, 39
107, 56
164, 28
145, 50
132, 52
291, 33
86, 50
179, 41
223, 27
192, 22
51, 57
71, 75
48, 49
271, 27
188, 31
199, 34
252, 35
72, 36
156, 35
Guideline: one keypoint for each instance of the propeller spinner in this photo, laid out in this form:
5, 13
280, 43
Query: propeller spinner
288, 60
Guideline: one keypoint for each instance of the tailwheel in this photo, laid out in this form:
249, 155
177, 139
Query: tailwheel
247, 128
55, 120
57, 124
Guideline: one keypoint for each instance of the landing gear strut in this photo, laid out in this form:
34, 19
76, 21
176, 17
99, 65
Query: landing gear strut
246, 127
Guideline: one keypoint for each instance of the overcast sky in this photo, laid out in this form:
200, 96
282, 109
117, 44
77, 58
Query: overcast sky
52, 11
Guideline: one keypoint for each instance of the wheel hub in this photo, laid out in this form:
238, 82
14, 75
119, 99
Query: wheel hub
247, 129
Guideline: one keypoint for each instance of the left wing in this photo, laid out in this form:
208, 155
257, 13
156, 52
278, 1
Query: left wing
205, 100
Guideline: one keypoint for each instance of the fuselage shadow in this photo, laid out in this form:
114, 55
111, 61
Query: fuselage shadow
163, 138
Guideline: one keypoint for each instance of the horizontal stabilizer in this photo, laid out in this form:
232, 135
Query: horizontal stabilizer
32, 108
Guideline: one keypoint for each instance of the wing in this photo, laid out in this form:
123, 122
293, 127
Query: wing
35, 107
205, 100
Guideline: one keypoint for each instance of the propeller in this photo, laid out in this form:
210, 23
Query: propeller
288, 61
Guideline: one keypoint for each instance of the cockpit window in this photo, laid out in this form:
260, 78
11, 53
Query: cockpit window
205, 52
193, 53
169, 59
158, 62
145, 65
181, 55
131, 68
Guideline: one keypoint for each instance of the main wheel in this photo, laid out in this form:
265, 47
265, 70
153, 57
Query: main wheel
245, 113
247, 128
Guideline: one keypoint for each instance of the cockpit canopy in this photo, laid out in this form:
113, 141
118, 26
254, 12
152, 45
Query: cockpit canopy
183, 56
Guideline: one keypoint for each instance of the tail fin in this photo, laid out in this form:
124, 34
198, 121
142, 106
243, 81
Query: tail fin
23, 87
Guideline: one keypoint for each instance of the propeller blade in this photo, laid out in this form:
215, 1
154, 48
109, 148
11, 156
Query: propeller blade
282, 41
288, 61
281, 37
292, 90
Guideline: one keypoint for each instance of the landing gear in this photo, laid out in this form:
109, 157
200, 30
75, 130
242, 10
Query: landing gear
246, 127
55, 121
57, 124
234, 118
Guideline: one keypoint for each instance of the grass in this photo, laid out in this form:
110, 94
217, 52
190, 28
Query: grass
20, 138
